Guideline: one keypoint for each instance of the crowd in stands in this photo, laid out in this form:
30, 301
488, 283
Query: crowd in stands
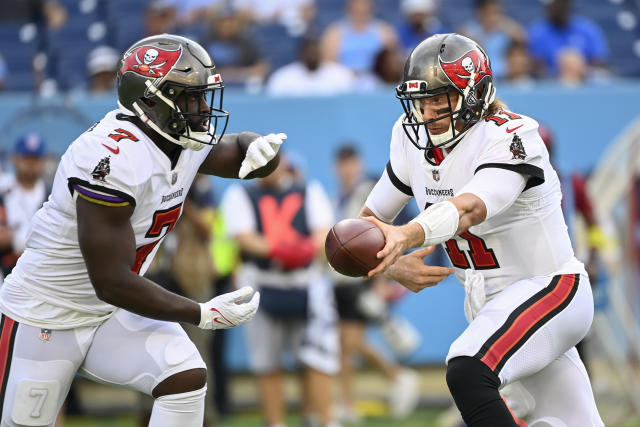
312, 47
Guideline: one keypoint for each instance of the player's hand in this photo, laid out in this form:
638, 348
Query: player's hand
412, 273
227, 310
398, 241
260, 151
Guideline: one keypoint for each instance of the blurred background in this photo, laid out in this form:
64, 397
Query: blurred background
324, 71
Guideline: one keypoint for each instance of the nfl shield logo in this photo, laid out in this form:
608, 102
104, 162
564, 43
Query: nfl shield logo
174, 177
45, 334
436, 175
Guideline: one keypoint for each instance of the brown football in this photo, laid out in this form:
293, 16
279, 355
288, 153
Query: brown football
352, 245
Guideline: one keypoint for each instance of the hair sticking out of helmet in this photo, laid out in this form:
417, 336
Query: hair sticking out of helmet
171, 83
454, 72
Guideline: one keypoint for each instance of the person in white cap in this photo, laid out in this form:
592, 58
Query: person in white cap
102, 64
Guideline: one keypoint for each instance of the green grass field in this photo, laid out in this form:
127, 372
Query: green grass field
421, 418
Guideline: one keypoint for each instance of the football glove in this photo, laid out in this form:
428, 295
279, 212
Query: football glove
260, 151
226, 310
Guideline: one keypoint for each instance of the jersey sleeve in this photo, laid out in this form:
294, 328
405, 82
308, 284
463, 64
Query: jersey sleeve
319, 211
521, 150
393, 190
102, 178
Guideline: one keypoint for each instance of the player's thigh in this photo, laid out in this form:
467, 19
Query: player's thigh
37, 368
562, 394
139, 353
528, 325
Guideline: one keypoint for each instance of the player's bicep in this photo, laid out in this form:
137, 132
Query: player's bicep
387, 198
106, 239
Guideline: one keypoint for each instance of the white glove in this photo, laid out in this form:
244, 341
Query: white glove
224, 311
260, 151
475, 297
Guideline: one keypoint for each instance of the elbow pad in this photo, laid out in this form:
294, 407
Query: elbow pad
439, 222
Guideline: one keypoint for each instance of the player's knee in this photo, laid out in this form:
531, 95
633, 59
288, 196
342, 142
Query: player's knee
468, 373
182, 382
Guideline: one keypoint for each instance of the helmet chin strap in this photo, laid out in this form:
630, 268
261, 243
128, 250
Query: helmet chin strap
200, 139
183, 142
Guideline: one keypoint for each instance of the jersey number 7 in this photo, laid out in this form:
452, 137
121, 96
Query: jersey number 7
164, 219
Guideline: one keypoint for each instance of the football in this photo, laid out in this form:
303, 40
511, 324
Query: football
351, 247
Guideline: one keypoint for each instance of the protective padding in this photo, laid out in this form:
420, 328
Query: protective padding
36, 403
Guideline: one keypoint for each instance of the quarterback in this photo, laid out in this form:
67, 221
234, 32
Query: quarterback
77, 301
481, 177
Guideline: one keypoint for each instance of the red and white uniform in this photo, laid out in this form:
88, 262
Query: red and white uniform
501, 246
52, 324
537, 301
112, 163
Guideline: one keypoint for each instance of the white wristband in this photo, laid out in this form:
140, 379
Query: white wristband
439, 222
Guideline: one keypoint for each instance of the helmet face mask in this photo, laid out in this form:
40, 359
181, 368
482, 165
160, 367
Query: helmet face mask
171, 84
442, 66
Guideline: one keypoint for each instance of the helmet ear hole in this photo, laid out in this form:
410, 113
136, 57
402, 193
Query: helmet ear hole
170, 92
149, 102
177, 126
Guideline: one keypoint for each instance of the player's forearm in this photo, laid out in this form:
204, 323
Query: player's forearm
253, 244
227, 155
142, 296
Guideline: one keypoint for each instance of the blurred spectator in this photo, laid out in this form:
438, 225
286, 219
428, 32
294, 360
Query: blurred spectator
420, 22
6, 236
351, 295
190, 12
192, 264
3, 72
102, 65
519, 64
225, 260
309, 75
355, 40
388, 66
294, 15
577, 204
160, 17
562, 29
494, 31
280, 225
24, 192
572, 67
55, 14
236, 56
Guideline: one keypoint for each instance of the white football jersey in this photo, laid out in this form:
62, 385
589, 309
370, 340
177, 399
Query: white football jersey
113, 163
527, 239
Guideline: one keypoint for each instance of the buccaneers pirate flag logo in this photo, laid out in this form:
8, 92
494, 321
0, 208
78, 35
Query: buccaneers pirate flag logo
150, 61
472, 65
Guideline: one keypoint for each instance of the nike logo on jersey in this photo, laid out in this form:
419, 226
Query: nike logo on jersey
116, 151
514, 129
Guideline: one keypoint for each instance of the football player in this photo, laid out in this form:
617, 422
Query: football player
77, 301
482, 178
